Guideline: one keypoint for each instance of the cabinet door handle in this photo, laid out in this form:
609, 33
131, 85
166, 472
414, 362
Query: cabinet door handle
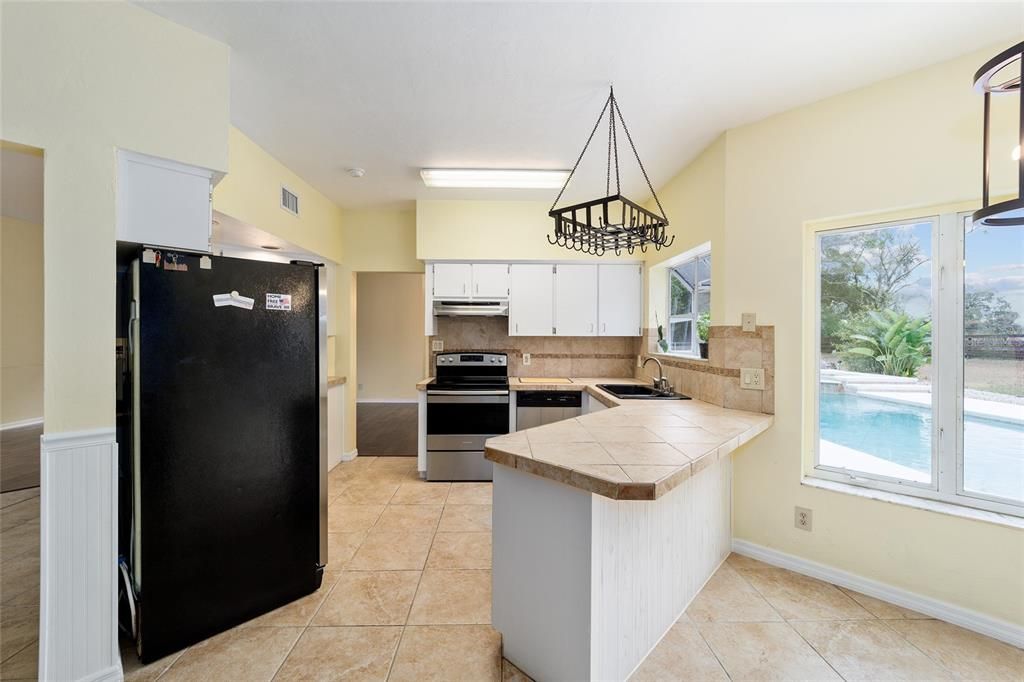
591, 327
604, 326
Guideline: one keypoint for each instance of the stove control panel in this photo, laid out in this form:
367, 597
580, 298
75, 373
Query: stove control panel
472, 359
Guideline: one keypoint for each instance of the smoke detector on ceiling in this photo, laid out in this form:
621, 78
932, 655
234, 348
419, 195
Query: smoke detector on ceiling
356, 172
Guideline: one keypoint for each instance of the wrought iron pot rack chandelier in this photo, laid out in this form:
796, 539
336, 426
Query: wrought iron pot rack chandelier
613, 222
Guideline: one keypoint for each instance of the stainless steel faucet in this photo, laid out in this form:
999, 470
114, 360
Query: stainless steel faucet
661, 383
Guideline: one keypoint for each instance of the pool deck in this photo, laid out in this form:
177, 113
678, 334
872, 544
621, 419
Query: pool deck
908, 391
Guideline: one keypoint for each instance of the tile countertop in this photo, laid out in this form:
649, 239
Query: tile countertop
637, 450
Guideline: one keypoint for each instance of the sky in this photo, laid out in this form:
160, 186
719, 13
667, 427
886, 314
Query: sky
994, 261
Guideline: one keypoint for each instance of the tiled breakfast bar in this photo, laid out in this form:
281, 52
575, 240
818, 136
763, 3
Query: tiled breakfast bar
605, 526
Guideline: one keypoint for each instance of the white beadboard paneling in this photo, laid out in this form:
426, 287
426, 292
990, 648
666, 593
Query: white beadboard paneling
584, 587
78, 557
968, 619
541, 574
650, 559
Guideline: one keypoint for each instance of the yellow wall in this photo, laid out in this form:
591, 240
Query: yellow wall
390, 337
381, 240
489, 230
80, 80
695, 203
251, 192
21, 320
910, 141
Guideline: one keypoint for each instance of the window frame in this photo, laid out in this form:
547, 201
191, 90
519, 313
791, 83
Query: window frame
694, 255
947, 397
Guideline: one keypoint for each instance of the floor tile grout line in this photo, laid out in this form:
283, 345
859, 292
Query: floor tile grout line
708, 645
815, 650
924, 653
412, 602
34, 641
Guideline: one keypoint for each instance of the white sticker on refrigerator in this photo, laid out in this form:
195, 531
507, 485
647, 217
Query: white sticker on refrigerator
279, 301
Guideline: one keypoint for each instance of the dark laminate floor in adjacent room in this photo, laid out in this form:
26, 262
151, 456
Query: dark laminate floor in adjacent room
386, 428
19, 463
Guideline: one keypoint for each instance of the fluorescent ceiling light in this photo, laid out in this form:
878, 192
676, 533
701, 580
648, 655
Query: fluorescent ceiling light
494, 178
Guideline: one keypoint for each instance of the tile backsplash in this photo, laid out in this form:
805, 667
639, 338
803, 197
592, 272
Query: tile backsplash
717, 379
550, 356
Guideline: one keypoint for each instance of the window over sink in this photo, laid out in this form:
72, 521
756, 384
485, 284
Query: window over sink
689, 301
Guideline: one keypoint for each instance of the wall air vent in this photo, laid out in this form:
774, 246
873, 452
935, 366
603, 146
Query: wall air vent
289, 201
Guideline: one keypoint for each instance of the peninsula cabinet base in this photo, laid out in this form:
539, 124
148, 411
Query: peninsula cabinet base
585, 586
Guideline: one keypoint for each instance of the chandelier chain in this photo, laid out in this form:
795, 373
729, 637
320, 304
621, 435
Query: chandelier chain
643, 170
615, 137
580, 158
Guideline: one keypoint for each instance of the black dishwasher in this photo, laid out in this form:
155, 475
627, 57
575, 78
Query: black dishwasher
534, 408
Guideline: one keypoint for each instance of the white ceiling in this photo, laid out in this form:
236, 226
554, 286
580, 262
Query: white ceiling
394, 87
21, 185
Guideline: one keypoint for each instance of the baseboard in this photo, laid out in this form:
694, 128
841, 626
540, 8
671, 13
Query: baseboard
350, 455
78, 556
21, 424
951, 613
388, 401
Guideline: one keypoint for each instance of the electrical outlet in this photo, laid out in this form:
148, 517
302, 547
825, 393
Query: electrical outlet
752, 379
526, 359
437, 346
359, 387
639, 361
749, 322
803, 518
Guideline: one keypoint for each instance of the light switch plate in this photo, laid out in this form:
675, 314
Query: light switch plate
639, 361
437, 346
752, 379
749, 321
526, 359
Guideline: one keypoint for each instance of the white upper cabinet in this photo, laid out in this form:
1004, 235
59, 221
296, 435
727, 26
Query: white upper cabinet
620, 296
576, 300
452, 280
490, 280
531, 301
162, 202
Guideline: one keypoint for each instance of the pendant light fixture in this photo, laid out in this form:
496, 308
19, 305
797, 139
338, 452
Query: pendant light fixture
612, 222
1009, 213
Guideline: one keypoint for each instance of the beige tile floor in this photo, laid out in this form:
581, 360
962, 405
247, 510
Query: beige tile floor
407, 597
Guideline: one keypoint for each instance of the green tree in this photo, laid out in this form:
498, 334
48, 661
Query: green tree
863, 272
985, 312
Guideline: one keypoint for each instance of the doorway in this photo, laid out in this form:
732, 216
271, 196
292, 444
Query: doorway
21, 401
390, 359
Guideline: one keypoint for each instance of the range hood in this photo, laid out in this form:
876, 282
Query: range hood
471, 308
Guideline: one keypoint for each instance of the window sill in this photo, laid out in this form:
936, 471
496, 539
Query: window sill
936, 506
679, 356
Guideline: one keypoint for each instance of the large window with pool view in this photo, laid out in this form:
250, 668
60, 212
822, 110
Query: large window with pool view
921, 360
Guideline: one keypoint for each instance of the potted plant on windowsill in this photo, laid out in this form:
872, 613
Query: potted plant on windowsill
703, 323
662, 343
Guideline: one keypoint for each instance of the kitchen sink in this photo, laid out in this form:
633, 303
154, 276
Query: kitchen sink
639, 392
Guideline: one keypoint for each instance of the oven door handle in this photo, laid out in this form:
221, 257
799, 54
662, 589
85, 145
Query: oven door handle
471, 399
467, 393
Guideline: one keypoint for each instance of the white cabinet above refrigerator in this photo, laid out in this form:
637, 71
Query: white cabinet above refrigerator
162, 202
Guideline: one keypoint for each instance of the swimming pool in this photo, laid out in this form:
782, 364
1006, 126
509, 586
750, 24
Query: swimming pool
902, 434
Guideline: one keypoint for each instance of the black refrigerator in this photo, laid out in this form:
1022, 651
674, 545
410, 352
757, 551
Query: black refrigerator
227, 499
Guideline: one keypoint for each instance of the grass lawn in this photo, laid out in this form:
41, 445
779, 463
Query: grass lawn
995, 375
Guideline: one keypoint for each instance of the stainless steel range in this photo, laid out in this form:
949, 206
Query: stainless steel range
467, 403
